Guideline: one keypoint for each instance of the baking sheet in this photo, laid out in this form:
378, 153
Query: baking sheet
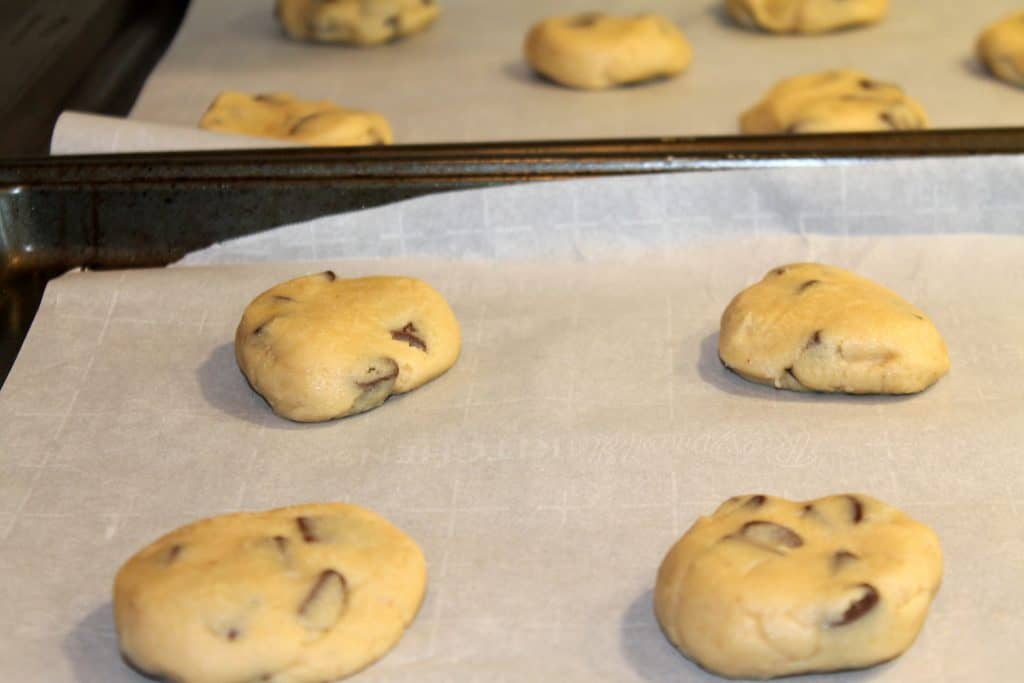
464, 79
586, 425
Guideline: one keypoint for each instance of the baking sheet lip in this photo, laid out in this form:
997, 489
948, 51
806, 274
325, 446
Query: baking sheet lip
679, 149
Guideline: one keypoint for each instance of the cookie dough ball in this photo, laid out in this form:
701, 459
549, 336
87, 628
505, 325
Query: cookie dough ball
1001, 49
595, 51
838, 101
806, 16
812, 327
321, 347
283, 117
769, 587
301, 594
355, 22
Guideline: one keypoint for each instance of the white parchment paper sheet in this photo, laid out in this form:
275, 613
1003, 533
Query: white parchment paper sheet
82, 133
464, 78
586, 425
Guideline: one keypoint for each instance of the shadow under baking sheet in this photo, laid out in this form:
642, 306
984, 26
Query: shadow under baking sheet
712, 371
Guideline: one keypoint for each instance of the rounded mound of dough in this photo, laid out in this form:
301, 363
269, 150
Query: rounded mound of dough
295, 595
355, 22
321, 347
769, 587
806, 16
595, 51
281, 116
837, 101
812, 327
1001, 49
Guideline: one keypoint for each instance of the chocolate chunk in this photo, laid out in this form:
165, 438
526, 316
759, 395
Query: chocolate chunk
380, 379
842, 558
771, 533
325, 601
261, 328
585, 20
869, 84
856, 509
306, 529
295, 129
232, 634
859, 607
808, 510
805, 285
779, 271
172, 553
378, 376
814, 340
755, 501
329, 274
408, 334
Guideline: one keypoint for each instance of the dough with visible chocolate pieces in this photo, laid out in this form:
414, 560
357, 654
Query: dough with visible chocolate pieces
321, 347
812, 327
301, 594
594, 51
281, 116
355, 22
1001, 49
768, 587
838, 101
806, 16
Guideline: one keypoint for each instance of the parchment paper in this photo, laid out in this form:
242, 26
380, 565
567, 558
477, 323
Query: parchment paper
81, 133
464, 78
586, 425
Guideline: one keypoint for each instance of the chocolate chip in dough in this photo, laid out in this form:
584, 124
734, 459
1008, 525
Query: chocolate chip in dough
841, 559
810, 283
409, 334
858, 607
323, 605
306, 529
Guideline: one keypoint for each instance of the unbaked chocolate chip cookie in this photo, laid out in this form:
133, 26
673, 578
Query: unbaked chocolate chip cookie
302, 594
594, 51
321, 347
1001, 48
769, 587
355, 22
281, 116
806, 16
812, 327
837, 101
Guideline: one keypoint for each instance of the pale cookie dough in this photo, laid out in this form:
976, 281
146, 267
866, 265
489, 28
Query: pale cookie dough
595, 51
769, 587
320, 347
1001, 48
806, 16
355, 22
302, 594
281, 116
812, 327
835, 101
